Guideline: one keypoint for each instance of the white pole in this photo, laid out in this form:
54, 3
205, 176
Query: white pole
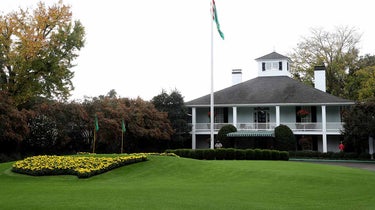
324, 129
193, 132
212, 114
371, 146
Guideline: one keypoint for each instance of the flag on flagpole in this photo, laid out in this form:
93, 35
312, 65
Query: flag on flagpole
215, 18
123, 126
96, 123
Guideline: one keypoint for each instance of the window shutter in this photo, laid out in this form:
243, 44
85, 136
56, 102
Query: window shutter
280, 66
263, 66
313, 114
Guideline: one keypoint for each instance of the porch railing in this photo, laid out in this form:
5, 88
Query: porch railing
295, 127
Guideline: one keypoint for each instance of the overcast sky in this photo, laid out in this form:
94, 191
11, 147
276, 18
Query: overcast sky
139, 48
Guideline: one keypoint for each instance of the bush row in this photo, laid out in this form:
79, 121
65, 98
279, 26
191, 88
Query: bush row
330, 155
231, 154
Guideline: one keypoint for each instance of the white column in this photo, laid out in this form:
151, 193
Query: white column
324, 129
277, 116
371, 146
235, 116
193, 122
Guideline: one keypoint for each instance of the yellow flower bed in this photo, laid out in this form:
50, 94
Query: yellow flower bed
83, 167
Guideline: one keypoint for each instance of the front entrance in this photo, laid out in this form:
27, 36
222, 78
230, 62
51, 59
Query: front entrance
262, 118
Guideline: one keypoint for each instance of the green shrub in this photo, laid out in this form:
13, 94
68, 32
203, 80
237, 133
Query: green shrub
220, 154
231, 154
284, 138
209, 154
364, 156
222, 135
275, 155
350, 155
258, 154
240, 154
284, 155
250, 155
266, 154
198, 154
328, 155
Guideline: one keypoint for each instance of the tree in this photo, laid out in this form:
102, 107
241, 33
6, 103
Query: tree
145, 125
37, 52
13, 125
336, 50
359, 124
361, 82
284, 138
174, 105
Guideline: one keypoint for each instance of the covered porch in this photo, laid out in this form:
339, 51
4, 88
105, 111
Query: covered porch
266, 118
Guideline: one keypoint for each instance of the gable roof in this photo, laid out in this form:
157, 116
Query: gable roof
272, 56
276, 90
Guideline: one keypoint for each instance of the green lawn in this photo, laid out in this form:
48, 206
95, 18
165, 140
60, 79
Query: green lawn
179, 183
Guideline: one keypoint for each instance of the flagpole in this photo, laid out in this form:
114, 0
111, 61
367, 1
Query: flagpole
93, 145
122, 141
212, 114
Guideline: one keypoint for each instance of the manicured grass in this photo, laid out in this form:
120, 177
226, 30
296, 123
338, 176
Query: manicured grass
179, 183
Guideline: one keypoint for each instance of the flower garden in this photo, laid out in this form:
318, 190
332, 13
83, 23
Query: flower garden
81, 166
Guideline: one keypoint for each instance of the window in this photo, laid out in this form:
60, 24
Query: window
272, 66
219, 115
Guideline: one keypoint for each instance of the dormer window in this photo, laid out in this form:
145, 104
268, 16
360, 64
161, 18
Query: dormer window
272, 65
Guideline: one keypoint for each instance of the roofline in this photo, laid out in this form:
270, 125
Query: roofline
274, 104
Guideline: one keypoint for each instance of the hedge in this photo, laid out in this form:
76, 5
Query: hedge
329, 155
231, 154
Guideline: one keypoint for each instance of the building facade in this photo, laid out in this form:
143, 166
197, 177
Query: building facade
255, 107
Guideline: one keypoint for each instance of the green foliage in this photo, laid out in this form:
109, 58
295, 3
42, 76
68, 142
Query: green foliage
38, 49
328, 155
204, 182
337, 50
52, 127
231, 154
43, 134
174, 105
240, 154
361, 84
284, 138
250, 154
359, 124
222, 134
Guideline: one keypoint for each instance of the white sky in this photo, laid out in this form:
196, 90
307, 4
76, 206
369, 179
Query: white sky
139, 48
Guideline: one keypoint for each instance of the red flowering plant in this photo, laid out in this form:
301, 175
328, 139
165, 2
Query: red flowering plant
303, 113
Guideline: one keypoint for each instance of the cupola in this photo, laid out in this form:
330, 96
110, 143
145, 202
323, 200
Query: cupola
273, 64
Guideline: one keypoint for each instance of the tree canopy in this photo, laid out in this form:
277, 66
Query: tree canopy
173, 104
360, 84
359, 124
337, 50
37, 52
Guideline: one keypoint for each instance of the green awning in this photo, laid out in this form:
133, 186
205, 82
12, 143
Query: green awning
251, 134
